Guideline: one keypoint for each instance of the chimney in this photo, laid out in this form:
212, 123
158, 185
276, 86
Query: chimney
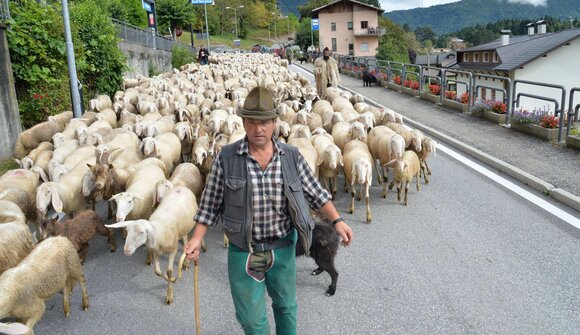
505, 36
531, 29
541, 26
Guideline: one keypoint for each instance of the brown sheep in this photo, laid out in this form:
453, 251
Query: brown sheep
79, 231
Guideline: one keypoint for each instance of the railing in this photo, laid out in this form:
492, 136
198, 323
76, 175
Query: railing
4, 13
370, 32
573, 111
149, 39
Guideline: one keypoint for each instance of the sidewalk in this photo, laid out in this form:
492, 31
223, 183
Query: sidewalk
544, 166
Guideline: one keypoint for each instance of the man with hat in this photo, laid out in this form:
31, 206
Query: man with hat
263, 190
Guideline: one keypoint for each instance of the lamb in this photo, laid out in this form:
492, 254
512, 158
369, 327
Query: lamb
53, 266
413, 138
358, 168
428, 146
171, 221
343, 132
405, 169
166, 147
16, 241
385, 145
340, 103
329, 159
185, 174
100, 103
31, 138
62, 119
299, 131
79, 231
28, 161
324, 247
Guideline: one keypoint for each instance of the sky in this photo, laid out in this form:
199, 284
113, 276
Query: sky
390, 5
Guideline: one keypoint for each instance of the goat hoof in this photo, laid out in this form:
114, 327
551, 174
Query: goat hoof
330, 292
316, 272
169, 300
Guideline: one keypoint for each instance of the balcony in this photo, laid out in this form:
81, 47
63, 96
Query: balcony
370, 32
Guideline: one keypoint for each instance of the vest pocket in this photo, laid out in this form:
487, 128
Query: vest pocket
236, 192
231, 225
296, 185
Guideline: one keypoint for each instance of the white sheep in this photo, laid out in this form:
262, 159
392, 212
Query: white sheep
329, 161
405, 169
358, 169
343, 132
28, 161
186, 175
384, 146
52, 267
16, 241
166, 147
100, 103
171, 221
31, 138
308, 152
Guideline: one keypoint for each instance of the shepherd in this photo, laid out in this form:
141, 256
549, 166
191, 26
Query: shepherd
262, 190
325, 72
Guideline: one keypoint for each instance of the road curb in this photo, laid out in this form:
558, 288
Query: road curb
534, 182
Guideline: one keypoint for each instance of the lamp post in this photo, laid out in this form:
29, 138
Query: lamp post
275, 28
235, 16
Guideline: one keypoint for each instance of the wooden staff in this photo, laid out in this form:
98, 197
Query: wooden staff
196, 298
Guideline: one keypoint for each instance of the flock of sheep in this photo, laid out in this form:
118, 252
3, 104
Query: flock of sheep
147, 152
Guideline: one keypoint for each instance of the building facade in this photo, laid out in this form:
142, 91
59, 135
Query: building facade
349, 27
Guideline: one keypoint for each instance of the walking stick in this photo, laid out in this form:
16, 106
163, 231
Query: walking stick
196, 297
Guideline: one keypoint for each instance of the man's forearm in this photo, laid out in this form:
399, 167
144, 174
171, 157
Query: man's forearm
329, 211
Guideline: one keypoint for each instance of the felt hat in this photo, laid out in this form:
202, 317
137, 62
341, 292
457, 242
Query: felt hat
259, 105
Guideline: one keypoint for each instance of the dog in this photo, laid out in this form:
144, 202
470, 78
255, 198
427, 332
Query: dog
325, 242
303, 59
368, 78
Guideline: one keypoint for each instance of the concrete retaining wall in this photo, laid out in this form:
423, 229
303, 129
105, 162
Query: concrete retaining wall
9, 117
139, 60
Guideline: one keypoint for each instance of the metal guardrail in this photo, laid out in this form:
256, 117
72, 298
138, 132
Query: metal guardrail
149, 39
572, 111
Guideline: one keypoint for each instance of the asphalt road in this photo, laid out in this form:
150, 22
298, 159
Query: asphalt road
466, 256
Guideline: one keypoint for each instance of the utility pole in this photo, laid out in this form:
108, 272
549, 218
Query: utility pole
571, 19
72, 69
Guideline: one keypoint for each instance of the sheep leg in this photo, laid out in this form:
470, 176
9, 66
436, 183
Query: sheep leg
418, 187
334, 185
186, 261
352, 195
398, 191
169, 296
368, 201
422, 172
427, 167
66, 291
35, 313
384, 193
84, 250
156, 266
379, 174
94, 204
148, 258
406, 190
385, 174
360, 191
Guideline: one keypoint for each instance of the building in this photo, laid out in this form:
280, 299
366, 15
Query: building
349, 27
550, 58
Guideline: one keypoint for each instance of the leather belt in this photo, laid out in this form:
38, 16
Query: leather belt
270, 245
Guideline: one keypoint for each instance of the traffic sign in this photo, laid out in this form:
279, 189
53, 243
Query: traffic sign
202, 2
315, 24
146, 6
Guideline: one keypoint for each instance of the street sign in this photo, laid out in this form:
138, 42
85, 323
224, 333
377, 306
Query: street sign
315, 24
202, 2
146, 6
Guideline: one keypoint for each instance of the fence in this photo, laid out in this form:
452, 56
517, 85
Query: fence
149, 39
387, 70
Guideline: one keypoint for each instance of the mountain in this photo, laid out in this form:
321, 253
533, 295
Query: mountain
454, 16
291, 6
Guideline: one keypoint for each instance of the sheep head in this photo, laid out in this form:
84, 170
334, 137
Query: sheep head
125, 204
46, 195
138, 233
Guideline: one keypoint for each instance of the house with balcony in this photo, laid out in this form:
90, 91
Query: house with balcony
349, 27
538, 56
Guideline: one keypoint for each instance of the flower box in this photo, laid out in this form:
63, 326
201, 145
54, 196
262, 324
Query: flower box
409, 91
382, 82
494, 117
394, 87
549, 134
455, 105
430, 97
573, 141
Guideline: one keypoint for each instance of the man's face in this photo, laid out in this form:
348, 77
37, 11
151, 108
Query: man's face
259, 131
326, 53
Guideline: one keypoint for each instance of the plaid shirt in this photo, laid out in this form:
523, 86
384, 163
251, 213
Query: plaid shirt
269, 204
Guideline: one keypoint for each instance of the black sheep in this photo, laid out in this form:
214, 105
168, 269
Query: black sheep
325, 242
368, 78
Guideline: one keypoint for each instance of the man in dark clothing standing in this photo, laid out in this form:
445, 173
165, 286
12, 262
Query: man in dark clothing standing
203, 55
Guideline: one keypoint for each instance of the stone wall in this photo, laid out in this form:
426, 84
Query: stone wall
9, 117
140, 59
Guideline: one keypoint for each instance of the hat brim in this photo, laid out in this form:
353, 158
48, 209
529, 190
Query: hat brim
257, 115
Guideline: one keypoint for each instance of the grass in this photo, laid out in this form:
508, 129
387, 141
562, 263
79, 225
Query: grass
259, 36
7, 164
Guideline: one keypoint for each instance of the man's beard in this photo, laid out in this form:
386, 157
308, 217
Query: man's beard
326, 57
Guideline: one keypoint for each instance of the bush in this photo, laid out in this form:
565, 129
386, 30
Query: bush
435, 89
397, 80
479, 107
499, 107
44, 100
450, 95
464, 98
181, 56
526, 118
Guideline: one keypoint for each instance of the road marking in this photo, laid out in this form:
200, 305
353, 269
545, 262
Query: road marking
559, 213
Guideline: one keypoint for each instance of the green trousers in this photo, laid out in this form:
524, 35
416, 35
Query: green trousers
251, 275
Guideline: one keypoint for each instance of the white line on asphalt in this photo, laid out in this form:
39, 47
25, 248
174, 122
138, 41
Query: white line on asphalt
569, 218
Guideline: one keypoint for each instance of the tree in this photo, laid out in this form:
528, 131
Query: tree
425, 33
392, 45
375, 3
174, 13
306, 9
303, 36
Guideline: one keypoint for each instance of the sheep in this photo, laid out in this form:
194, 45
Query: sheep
166, 147
384, 145
108, 115
13, 328
413, 138
405, 169
313, 121
358, 168
329, 159
161, 126
53, 266
308, 151
232, 123
31, 138
13, 183
28, 161
79, 231
428, 146
121, 176
16, 241
41, 162
62, 119
344, 132
202, 149
299, 131
100, 103
323, 250
185, 174
185, 134
172, 220
282, 130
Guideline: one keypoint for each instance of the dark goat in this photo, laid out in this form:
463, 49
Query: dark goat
79, 231
325, 242
368, 78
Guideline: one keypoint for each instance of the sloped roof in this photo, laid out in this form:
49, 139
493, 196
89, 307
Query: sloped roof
380, 10
524, 48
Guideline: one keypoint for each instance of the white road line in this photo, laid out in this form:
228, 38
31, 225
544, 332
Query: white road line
561, 214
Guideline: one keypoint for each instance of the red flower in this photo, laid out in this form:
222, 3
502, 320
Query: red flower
435, 89
549, 121
397, 80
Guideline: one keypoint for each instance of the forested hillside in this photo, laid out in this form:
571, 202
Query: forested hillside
452, 17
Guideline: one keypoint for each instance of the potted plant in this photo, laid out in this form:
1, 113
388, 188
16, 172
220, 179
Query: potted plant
539, 123
573, 139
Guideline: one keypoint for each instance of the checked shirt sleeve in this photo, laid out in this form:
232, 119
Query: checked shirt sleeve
212, 196
315, 194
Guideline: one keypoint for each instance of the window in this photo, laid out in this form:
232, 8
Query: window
351, 49
333, 44
466, 57
364, 24
476, 57
486, 57
349, 25
333, 26
495, 59
364, 47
